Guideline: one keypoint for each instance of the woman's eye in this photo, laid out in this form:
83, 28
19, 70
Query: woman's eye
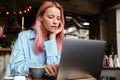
50, 17
58, 18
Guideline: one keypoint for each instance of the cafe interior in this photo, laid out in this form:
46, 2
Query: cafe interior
84, 19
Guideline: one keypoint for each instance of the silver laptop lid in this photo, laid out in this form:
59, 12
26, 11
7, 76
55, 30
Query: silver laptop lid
81, 58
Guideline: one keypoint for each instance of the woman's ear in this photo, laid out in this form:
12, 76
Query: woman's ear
40, 18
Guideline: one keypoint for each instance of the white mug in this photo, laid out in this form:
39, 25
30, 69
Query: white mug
19, 78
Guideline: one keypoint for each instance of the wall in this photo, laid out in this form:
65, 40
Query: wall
11, 32
3, 20
108, 30
103, 27
118, 31
110, 19
94, 28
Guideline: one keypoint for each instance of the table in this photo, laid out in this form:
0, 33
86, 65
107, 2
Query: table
11, 78
72, 79
6, 49
111, 72
35, 79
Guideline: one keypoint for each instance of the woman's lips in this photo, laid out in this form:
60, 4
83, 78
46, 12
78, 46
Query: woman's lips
54, 27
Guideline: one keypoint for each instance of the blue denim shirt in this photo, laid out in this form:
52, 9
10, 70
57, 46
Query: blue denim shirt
23, 55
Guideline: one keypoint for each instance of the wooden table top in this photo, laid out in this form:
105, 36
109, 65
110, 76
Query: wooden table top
6, 49
35, 79
12, 78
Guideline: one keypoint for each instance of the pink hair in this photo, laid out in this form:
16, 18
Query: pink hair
40, 31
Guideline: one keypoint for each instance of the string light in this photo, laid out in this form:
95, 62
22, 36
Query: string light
14, 13
23, 11
7, 13
28, 9
20, 12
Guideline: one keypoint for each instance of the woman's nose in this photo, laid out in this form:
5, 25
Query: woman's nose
55, 21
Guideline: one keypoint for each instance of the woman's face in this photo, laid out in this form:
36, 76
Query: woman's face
51, 19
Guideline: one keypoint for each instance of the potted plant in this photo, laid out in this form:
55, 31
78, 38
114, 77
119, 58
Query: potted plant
13, 42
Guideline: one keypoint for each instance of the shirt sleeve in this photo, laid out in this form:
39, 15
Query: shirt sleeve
18, 65
52, 55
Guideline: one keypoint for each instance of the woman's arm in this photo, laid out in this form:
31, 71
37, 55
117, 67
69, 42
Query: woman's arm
53, 57
18, 64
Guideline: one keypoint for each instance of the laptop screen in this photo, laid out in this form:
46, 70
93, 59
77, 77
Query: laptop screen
81, 59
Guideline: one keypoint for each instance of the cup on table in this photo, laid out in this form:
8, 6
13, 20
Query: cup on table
36, 72
8, 78
19, 78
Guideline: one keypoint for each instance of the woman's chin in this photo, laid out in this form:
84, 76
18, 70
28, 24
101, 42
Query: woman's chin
52, 31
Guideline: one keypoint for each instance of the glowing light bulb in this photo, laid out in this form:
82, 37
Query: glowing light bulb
7, 13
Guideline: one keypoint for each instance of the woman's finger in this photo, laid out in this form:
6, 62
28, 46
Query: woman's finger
49, 69
46, 70
54, 69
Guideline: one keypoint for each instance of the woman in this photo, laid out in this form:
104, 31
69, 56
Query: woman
43, 44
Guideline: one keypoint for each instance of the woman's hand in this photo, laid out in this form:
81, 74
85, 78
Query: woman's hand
52, 69
57, 31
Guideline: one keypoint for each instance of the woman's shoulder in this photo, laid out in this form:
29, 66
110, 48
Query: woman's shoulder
27, 33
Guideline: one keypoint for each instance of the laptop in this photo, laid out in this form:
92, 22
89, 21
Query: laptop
81, 59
